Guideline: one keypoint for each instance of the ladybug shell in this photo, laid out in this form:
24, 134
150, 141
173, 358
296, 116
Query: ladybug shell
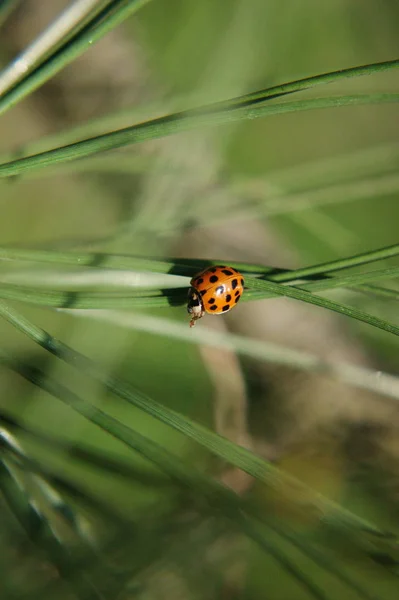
220, 288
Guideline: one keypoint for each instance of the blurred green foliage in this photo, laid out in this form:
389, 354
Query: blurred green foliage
194, 53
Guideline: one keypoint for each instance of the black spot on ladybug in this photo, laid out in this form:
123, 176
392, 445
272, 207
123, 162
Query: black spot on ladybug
214, 307
237, 293
226, 307
219, 290
213, 278
237, 299
234, 284
242, 282
213, 270
211, 301
227, 272
228, 298
199, 281
203, 292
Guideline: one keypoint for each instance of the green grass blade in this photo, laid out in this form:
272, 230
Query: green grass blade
337, 265
262, 288
188, 267
90, 456
325, 78
54, 486
81, 300
380, 291
343, 309
322, 560
62, 28
96, 126
254, 531
98, 259
112, 15
40, 533
127, 299
352, 280
177, 298
184, 121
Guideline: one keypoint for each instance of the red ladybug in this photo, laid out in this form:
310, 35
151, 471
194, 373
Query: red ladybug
214, 290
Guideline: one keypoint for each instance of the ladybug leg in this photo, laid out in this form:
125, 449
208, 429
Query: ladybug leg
195, 306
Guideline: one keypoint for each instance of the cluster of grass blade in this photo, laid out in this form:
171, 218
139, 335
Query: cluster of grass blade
251, 106
261, 282
329, 514
242, 514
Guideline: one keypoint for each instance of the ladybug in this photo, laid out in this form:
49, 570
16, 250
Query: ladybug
214, 290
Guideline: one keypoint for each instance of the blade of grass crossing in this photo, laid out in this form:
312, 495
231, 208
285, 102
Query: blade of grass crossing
181, 122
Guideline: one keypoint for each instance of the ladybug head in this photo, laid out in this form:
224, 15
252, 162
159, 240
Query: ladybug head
195, 306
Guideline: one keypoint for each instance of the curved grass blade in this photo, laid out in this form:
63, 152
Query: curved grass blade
327, 512
183, 121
